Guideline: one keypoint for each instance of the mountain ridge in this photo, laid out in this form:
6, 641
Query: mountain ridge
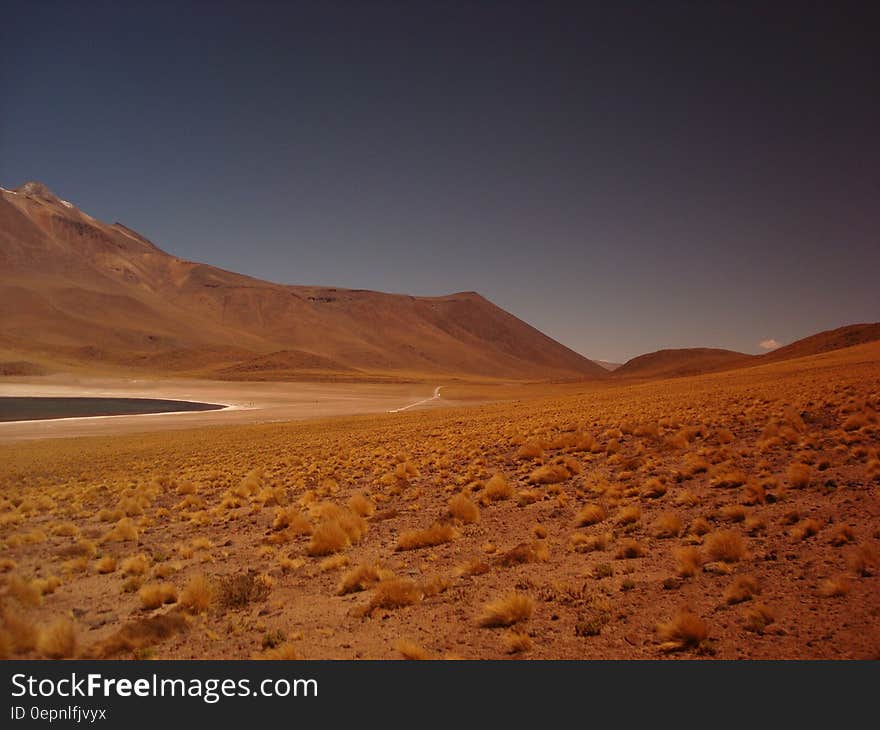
81, 291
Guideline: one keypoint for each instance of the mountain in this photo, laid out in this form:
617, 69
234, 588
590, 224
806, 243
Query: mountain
696, 360
76, 291
836, 339
676, 363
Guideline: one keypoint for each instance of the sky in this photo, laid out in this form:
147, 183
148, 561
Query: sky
624, 176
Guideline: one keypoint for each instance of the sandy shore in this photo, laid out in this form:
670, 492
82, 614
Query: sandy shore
246, 403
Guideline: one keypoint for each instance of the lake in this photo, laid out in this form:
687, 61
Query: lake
32, 409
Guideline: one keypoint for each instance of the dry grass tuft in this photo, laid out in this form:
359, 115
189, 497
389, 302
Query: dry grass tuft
395, 593
581, 543
136, 565
497, 488
284, 652
591, 514
58, 640
328, 538
667, 525
361, 505
122, 531
507, 611
685, 630
842, 535
629, 549
20, 634
758, 617
832, 587
139, 634
106, 564
549, 474
798, 475
742, 589
436, 534
360, 578
688, 560
26, 592
462, 508
726, 545
864, 560
154, 595
198, 594
411, 650
628, 515
524, 552
516, 642
804, 529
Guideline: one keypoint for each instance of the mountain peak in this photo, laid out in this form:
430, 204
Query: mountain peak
36, 190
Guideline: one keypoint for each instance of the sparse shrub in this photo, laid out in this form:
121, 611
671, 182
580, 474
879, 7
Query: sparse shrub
832, 587
517, 642
864, 560
581, 543
138, 635
732, 513
629, 549
58, 640
667, 525
591, 514
123, 531
842, 535
530, 450
411, 650
395, 593
239, 589
804, 529
628, 515
685, 630
507, 611
329, 537
437, 534
462, 508
729, 479
798, 475
688, 560
23, 590
154, 595
498, 488
725, 545
284, 652
198, 594
654, 488
361, 505
758, 617
553, 473
524, 552
136, 565
742, 589
106, 564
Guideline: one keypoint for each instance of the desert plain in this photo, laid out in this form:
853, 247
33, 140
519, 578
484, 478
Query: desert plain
730, 515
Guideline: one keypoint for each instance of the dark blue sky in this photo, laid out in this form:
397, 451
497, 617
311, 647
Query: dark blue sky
625, 178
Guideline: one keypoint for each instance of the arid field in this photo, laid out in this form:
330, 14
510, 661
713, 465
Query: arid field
728, 515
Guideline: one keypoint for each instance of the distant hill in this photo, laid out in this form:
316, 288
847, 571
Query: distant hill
677, 363
836, 339
76, 291
693, 361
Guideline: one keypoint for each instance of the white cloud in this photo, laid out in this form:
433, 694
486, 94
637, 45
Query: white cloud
770, 344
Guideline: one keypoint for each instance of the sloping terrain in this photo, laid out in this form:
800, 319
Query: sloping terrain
76, 290
675, 363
